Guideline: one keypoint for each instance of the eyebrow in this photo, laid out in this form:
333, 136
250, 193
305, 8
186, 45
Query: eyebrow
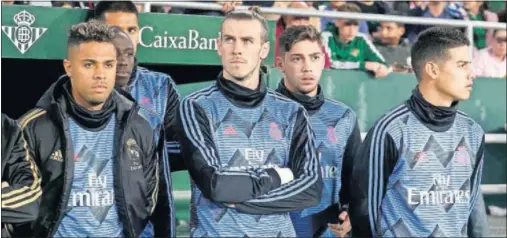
247, 38
302, 55
242, 38
464, 62
95, 61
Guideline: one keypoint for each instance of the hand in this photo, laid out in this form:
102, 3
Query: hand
398, 68
382, 71
5, 184
228, 5
341, 230
371, 66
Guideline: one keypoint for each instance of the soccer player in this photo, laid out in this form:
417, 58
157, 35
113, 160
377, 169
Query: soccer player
21, 189
96, 153
335, 125
419, 169
154, 91
250, 151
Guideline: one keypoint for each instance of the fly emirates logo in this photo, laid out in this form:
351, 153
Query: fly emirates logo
96, 193
438, 194
327, 171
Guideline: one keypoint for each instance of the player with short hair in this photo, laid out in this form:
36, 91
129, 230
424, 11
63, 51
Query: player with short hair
250, 151
336, 131
419, 169
154, 91
96, 153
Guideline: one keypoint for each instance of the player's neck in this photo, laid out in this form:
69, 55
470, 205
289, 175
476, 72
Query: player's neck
251, 82
434, 97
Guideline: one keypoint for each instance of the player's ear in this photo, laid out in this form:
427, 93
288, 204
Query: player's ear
432, 69
219, 45
279, 64
264, 50
68, 68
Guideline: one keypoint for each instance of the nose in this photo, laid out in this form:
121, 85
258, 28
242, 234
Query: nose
100, 73
121, 62
307, 66
472, 74
237, 48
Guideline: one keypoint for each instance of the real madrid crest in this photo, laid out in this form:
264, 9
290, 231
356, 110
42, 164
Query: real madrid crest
134, 154
23, 36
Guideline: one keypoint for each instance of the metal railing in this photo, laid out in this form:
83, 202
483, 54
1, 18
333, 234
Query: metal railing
469, 25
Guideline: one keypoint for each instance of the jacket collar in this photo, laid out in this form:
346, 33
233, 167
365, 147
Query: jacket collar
242, 96
311, 104
436, 118
53, 100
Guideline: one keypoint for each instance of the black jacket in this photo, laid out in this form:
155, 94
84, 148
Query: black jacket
20, 200
136, 188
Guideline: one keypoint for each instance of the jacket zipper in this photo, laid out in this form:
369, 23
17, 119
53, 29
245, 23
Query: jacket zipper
119, 172
66, 191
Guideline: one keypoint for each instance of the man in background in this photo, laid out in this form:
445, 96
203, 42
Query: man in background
154, 91
491, 62
393, 47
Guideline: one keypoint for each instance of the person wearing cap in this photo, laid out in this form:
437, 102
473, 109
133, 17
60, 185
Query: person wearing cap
346, 48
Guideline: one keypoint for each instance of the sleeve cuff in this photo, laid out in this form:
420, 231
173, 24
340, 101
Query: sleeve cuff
285, 175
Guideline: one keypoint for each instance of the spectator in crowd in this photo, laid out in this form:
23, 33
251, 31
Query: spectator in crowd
436, 9
64, 4
333, 6
259, 3
287, 21
226, 7
7, 2
345, 48
373, 7
314, 21
476, 11
392, 46
399, 6
502, 16
490, 62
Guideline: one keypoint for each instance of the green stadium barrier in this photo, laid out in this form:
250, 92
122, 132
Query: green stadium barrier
40, 33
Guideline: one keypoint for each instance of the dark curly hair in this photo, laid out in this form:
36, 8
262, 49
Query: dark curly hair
295, 34
92, 30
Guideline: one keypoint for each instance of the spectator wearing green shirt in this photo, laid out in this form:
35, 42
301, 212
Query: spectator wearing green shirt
476, 11
346, 48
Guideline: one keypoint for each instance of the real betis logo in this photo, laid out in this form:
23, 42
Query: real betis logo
23, 36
